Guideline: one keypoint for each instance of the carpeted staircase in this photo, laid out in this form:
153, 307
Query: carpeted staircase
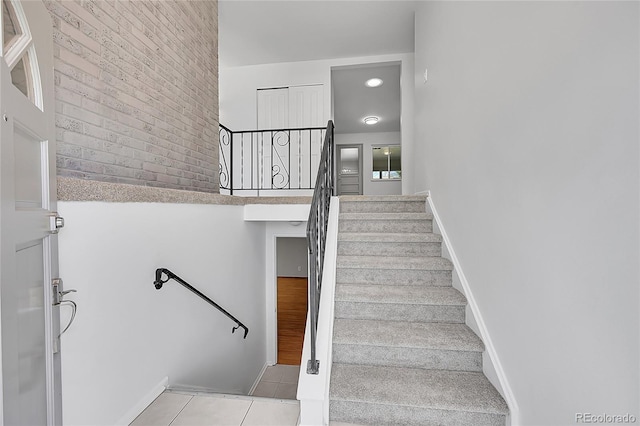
402, 353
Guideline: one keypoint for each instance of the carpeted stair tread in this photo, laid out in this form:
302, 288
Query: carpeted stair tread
380, 237
451, 337
415, 387
385, 216
389, 276
372, 248
399, 302
395, 263
383, 204
367, 413
382, 198
406, 294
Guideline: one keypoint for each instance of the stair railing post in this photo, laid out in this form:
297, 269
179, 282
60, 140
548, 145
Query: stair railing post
231, 163
313, 364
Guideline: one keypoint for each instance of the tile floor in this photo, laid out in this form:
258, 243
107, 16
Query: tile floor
182, 409
278, 381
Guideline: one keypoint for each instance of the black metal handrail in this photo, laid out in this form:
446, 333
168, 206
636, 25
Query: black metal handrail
170, 275
316, 237
270, 159
284, 129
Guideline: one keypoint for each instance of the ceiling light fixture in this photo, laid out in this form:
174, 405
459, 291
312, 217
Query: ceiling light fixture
371, 120
374, 82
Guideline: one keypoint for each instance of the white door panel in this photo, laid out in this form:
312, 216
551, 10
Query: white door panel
306, 106
293, 157
31, 388
273, 113
273, 108
307, 110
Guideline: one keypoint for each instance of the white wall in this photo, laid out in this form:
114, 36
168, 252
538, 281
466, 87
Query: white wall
368, 140
238, 98
127, 335
292, 257
528, 131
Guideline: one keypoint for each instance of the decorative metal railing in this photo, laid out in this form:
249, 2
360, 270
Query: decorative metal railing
317, 236
269, 160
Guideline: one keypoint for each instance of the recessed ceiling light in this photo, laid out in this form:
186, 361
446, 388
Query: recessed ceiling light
374, 82
371, 120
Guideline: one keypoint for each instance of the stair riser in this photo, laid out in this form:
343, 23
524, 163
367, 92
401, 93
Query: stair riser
367, 413
365, 248
383, 207
389, 226
400, 312
407, 357
393, 276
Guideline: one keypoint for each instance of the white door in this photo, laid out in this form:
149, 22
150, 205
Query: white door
349, 169
291, 107
306, 106
31, 390
273, 108
306, 109
273, 113
293, 155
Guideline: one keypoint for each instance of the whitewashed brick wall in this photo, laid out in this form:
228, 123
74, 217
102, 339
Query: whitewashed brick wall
137, 91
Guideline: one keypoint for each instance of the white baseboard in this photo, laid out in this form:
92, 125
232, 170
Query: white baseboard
255, 383
477, 317
143, 403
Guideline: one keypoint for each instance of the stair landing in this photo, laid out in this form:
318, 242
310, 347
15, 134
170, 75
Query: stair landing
183, 408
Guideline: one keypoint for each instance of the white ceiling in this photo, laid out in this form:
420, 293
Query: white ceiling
353, 101
272, 31
268, 31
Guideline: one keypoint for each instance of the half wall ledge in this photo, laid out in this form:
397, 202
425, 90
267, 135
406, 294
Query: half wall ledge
74, 189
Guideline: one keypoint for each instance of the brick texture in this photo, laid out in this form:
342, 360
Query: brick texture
137, 91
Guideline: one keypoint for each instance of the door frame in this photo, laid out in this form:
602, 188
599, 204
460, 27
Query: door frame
274, 231
338, 147
306, 277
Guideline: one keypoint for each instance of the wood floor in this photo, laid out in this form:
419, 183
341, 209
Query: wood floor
292, 315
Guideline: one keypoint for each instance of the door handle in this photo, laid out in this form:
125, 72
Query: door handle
73, 314
56, 222
62, 293
58, 300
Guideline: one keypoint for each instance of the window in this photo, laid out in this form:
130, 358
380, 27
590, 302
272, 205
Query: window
19, 53
386, 162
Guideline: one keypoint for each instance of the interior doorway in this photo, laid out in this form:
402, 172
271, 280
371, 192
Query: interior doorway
366, 104
292, 260
349, 169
